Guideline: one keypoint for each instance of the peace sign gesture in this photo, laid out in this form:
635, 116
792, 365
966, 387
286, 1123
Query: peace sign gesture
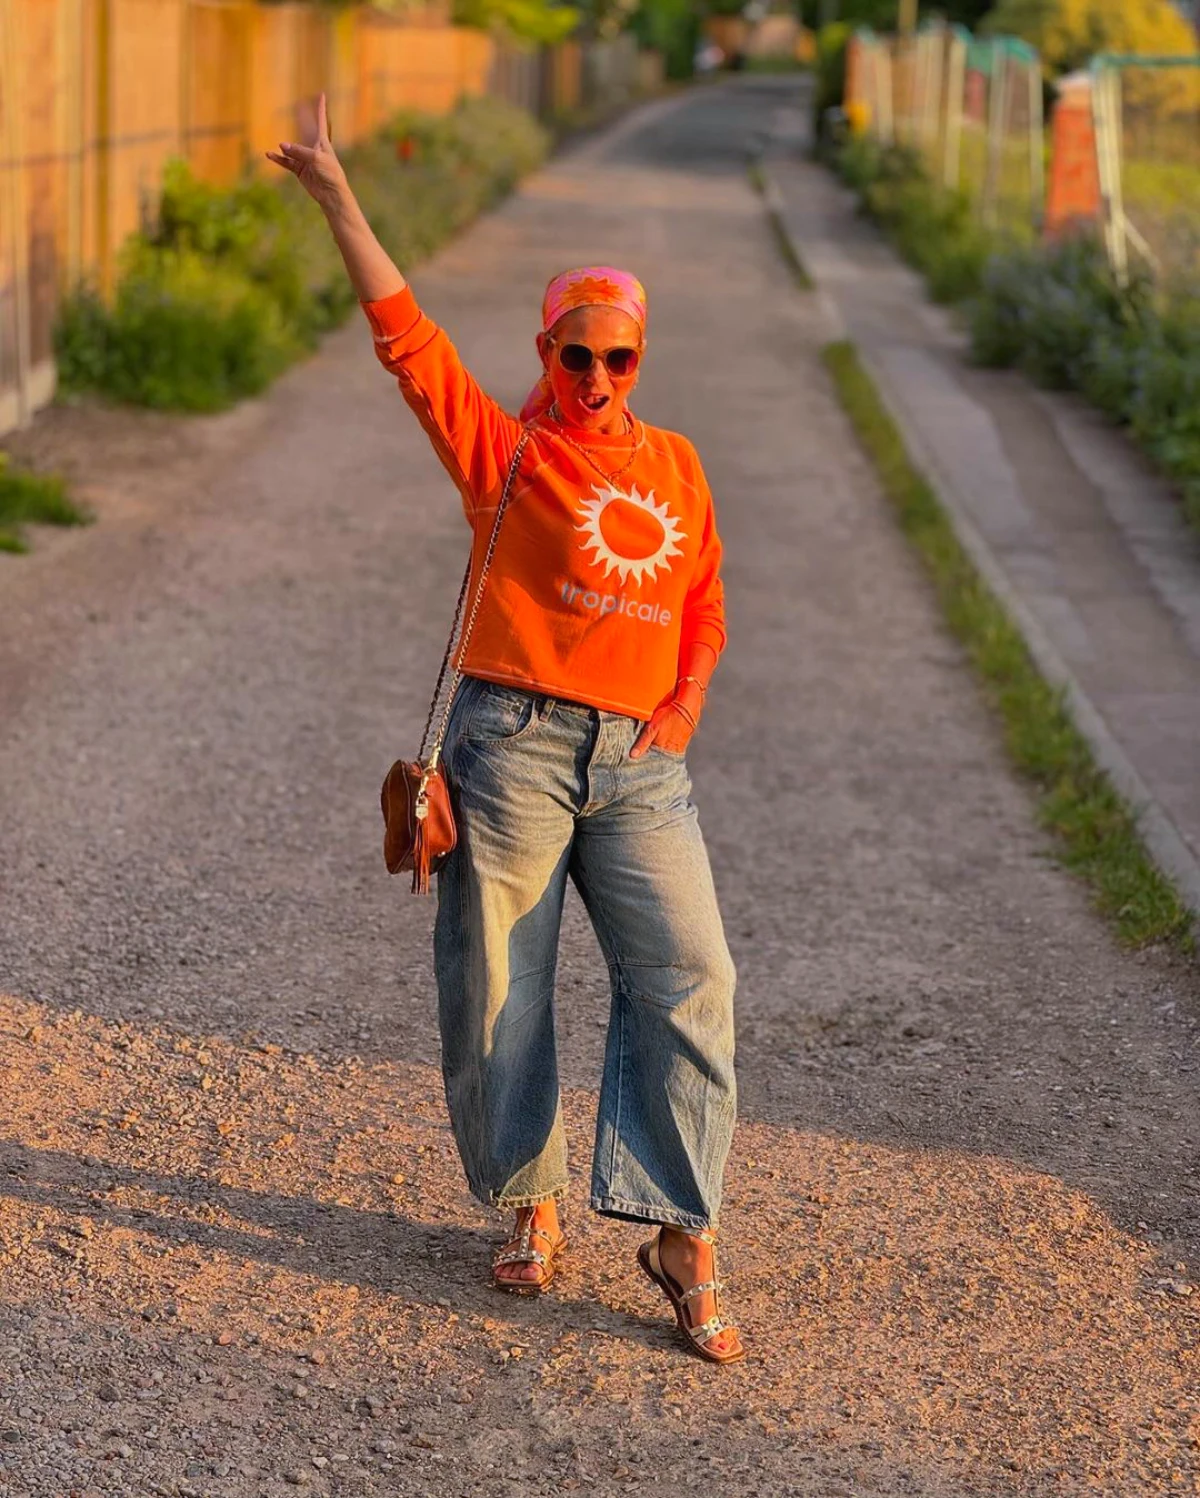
312, 159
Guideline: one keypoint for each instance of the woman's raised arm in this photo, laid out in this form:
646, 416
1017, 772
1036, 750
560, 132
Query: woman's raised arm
470, 433
313, 162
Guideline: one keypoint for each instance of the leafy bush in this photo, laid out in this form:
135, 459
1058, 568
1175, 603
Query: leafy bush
934, 229
1056, 313
184, 333
1069, 32
230, 286
1133, 351
830, 85
671, 27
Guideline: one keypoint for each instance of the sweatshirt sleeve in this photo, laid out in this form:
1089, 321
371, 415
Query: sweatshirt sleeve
471, 434
704, 607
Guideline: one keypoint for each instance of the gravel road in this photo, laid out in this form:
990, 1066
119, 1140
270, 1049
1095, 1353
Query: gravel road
236, 1256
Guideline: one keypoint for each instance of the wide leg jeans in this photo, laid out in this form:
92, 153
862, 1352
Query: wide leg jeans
544, 790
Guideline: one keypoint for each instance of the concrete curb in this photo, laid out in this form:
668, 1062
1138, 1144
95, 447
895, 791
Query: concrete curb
1162, 838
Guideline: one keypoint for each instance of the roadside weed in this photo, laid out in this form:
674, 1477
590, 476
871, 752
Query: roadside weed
31, 497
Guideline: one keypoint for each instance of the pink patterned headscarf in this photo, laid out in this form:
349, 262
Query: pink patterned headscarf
590, 286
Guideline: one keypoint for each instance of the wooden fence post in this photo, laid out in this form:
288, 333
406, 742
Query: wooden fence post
70, 96
15, 206
104, 249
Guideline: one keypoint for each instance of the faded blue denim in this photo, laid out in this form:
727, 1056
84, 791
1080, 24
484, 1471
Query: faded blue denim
545, 789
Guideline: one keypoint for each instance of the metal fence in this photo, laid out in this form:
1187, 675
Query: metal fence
1147, 129
971, 109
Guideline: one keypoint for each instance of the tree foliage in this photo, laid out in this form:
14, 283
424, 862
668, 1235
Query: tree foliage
541, 21
1068, 33
672, 28
883, 15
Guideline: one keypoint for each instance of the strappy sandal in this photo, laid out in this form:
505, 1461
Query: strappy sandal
520, 1250
697, 1336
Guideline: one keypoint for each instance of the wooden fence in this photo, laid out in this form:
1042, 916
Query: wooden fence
97, 95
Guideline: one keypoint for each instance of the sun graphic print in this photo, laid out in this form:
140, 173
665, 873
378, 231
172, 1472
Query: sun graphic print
630, 534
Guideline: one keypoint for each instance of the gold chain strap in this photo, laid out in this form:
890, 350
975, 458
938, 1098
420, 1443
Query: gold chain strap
436, 750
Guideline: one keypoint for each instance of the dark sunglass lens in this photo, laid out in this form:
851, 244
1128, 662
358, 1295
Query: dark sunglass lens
576, 358
621, 361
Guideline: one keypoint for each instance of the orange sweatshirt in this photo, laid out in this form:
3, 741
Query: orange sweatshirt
596, 588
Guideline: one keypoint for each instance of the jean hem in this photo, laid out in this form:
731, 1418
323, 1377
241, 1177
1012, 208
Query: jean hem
505, 1203
615, 1206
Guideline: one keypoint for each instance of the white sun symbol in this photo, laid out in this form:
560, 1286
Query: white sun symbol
638, 567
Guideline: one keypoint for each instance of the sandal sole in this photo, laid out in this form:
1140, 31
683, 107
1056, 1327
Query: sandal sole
694, 1347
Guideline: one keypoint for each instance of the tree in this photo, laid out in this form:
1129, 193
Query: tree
883, 15
530, 20
672, 28
1068, 33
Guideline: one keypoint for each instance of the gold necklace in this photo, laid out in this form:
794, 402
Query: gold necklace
586, 454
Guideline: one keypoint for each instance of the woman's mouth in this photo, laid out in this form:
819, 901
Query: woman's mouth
594, 403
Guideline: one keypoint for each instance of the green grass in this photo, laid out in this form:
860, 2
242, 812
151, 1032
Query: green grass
30, 497
783, 240
1094, 830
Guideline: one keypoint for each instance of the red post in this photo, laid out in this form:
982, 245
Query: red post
1073, 195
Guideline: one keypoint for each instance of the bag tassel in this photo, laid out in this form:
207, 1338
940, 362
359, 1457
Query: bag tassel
420, 878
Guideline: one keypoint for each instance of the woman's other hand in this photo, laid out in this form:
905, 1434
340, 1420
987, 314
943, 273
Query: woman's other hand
673, 724
312, 159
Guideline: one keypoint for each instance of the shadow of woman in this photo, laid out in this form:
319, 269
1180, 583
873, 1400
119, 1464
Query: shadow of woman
388, 1252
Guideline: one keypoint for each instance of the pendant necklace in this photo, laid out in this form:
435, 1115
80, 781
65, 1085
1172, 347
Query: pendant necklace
586, 453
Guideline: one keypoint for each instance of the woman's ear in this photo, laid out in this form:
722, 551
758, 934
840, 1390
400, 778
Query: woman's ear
543, 348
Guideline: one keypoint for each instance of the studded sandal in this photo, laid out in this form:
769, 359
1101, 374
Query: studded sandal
520, 1250
698, 1337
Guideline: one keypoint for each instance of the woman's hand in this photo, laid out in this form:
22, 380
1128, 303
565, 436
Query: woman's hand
671, 727
312, 159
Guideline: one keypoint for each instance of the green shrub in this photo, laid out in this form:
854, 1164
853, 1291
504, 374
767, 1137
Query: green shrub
1057, 313
934, 229
26, 497
230, 286
671, 27
830, 84
1134, 351
184, 333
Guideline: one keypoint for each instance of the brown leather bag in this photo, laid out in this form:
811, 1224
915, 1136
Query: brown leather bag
418, 831
418, 818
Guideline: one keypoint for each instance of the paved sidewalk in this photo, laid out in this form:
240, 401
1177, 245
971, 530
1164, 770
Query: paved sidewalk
1084, 541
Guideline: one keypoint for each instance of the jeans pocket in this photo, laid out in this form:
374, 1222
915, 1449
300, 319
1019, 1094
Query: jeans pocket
499, 714
678, 755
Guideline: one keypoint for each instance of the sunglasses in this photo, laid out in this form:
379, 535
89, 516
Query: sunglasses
577, 359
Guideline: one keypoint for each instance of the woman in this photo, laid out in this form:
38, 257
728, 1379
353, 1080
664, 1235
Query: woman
599, 628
